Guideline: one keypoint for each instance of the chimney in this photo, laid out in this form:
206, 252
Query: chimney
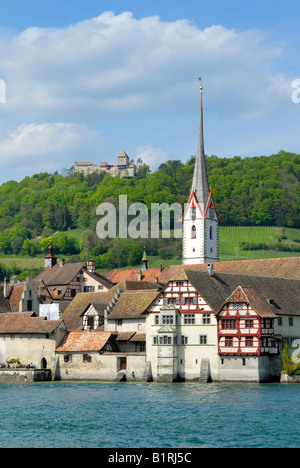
5, 289
210, 269
161, 267
61, 262
140, 275
156, 279
90, 266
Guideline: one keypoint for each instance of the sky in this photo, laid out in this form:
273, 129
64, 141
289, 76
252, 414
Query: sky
86, 80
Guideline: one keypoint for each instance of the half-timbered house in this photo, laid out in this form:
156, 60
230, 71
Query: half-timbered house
197, 329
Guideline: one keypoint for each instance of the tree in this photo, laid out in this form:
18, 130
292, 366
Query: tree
287, 360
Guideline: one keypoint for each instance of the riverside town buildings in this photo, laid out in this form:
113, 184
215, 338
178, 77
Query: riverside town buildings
204, 320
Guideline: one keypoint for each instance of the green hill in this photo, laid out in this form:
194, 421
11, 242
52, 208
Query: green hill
260, 192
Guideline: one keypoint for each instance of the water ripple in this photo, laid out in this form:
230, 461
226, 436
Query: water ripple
87, 415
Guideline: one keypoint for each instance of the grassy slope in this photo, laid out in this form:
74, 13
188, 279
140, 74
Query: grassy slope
230, 239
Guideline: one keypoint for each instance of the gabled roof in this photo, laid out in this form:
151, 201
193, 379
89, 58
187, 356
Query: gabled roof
132, 304
20, 323
249, 296
100, 278
100, 300
82, 340
60, 275
283, 294
116, 276
72, 316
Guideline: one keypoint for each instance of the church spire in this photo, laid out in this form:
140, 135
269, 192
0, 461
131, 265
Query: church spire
200, 184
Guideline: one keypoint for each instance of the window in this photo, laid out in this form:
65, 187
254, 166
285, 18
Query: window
249, 323
155, 340
206, 319
194, 232
267, 323
88, 289
179, 283
193, 213
228, 324
91, 322
237, 305
189, 319
29, 306
141, 347
173, 300
165, 340
228, 342
122, 363
291, 321
156, 319
211, 233
280, 321
184, 340
203, 339
244, 361
119, 322
100, 286
68, 358
249, 341
167, 319
187, 300
73, 292
87, 358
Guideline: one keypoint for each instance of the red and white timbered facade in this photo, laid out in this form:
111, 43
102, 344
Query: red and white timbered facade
246, 326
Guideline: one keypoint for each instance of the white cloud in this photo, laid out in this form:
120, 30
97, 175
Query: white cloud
118, 64
46, 147
151, 156
117, 69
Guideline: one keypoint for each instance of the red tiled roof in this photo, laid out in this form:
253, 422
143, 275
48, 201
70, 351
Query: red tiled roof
26, 323
116, 276
288, 267
84, 341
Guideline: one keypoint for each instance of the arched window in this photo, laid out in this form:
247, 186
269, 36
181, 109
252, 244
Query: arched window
211, 232
193, 235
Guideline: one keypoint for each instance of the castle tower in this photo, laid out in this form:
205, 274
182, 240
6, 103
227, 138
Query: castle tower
200, 219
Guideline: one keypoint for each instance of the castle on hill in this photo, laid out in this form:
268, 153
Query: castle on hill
124, 168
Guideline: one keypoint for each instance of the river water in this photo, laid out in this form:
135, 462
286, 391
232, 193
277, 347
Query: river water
142, 415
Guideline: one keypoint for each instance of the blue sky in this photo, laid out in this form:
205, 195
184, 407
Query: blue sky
86, 80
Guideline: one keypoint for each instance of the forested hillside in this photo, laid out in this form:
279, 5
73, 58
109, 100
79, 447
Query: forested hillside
259, 191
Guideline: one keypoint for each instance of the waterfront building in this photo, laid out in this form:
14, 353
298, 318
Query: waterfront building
30, 339
197, 329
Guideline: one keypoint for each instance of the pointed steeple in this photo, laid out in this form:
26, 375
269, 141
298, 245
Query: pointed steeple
200, 184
